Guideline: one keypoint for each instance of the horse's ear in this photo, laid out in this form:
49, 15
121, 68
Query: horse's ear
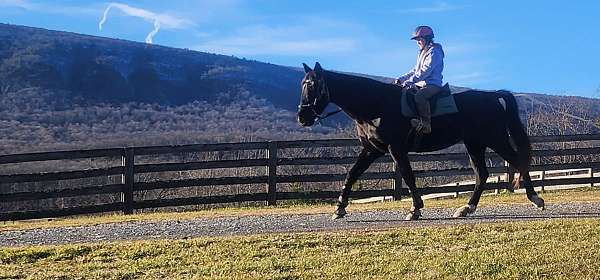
306, 68
318, 68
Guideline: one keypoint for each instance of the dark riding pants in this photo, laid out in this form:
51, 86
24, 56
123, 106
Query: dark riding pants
423, 124
425, 93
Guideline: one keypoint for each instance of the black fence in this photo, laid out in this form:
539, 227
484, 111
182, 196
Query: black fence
127, 174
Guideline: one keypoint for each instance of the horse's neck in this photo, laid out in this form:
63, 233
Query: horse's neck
352, 97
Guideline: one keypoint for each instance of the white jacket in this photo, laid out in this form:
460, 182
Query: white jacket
429, 67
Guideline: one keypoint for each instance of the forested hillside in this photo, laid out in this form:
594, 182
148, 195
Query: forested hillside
100, 70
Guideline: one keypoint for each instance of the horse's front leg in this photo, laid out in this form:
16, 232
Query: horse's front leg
365, 159
400, 157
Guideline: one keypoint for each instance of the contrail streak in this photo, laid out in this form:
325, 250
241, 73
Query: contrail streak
153, 32
156, 19
103, 20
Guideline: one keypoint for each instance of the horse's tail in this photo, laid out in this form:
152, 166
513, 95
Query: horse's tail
517, 132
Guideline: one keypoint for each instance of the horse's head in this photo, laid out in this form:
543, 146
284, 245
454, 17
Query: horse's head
315, 95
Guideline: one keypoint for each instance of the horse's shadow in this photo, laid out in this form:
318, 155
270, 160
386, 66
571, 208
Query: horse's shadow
494, 217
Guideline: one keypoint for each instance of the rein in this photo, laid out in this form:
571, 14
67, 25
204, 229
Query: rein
320, 117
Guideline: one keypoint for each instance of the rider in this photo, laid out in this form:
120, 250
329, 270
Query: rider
426, 76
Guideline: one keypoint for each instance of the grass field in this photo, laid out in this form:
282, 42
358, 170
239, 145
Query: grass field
556, 249
575, 195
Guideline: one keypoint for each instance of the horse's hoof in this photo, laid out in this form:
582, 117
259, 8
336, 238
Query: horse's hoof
464, 211
538, 202
339, 213
413, 215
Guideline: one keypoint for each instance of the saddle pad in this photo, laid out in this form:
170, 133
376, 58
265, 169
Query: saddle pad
444, 105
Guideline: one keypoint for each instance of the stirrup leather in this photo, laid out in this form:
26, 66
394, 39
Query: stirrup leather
420, 125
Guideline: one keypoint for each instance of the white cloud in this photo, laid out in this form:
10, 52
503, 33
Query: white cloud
15, 3
49, 9
466, 77
257, 46
286, 40
466, 48
472, 79
435, 8
381, 60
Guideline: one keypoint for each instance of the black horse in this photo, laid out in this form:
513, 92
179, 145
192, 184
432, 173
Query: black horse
485, 119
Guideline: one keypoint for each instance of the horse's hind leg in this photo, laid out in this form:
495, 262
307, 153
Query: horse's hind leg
365, 159
510, 155
477, 156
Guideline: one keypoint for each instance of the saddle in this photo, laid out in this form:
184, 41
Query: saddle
441, 104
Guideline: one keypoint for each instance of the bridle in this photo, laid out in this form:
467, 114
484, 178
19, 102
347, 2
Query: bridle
323, 95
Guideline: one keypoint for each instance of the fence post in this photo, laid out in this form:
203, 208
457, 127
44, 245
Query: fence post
497, 190
397, 183
127, 179
510, 176
272, 173
543, 177
456, 193
592, 177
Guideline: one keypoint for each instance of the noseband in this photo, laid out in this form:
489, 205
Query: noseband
324, 95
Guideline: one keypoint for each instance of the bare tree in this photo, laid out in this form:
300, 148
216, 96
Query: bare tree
4, 88
560, 118
597, 95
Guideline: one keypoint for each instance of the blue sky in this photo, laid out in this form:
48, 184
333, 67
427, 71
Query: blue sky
550, 47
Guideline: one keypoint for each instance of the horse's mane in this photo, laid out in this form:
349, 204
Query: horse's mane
388, 88
377, 87
356, 78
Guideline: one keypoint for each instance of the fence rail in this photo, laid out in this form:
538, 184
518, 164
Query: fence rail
268, 157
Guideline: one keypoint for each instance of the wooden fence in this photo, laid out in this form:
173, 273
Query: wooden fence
129, 170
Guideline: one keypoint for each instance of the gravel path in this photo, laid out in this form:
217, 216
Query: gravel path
227, 226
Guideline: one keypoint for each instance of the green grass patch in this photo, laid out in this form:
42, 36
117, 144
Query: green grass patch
554, 249
298, 207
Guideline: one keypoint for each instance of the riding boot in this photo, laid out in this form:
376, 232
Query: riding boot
423, 123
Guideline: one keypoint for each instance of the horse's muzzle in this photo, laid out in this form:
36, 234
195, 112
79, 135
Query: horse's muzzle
306, 121
306, 117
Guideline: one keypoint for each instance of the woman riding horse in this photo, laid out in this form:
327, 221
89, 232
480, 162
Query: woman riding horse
484, 120
426, 76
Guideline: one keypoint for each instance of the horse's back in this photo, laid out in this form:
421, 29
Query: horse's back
478, 103
481, 115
